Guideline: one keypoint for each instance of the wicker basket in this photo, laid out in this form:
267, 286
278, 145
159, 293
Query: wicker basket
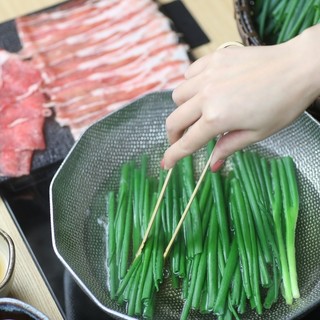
244, 15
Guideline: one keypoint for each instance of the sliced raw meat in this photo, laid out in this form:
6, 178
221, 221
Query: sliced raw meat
121, 41
93, 64
22, 114
20, 78
27, 108
83, 33
15, 164
23, 134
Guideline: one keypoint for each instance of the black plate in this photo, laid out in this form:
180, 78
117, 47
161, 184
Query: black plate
58, 139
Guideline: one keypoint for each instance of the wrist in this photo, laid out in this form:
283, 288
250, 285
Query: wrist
307, 45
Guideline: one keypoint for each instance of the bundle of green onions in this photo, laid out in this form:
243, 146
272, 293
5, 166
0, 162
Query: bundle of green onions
281, 20
236, 248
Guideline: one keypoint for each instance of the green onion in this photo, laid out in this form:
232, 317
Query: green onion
262, 17
205, 192
236, 287
187, 229
157, 253
242, 304
186, 279
265, 215
301, 15
279, 21
219, 201
122, 208
256, 297
136, 236
232, 309
228, 272
132, 298
212, 259
243, 173
227, 254
124, 254
277, 216
289, 187
200, 278
148, 311
204, 309
194, 214
111, 249
237, 209
147, 257
265, 279
193, 280
143, 176
133, 268
273, 291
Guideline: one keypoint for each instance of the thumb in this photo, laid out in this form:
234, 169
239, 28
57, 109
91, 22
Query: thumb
230, 143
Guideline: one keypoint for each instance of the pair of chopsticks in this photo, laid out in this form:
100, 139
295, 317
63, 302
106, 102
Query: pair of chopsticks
183, 216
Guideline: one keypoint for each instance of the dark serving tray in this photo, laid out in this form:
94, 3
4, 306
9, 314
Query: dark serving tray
58, 139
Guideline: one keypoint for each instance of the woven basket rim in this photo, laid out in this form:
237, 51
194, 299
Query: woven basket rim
243, 10
244, 20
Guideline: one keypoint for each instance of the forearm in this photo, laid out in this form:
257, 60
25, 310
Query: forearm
243, 94
308, 46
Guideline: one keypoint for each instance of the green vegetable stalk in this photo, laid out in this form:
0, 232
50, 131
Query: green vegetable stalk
194, 214
227, 276
226, 256
136, 236
212, 259
236, 208
220, 204
281, 20
111, 250
276, 200
243, 174
289, 187
122, 204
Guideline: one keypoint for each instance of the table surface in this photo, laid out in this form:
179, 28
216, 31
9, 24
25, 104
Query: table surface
28, 284
14, 8
215, 17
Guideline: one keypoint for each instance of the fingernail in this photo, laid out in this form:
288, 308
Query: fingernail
217, 165
162, 164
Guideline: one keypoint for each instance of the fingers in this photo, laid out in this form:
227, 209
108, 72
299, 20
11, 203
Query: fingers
200, 65
230, 143
186, 90
197, 67
182, 118
196, 137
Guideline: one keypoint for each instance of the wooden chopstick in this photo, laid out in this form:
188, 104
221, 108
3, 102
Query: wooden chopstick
153, 216
154, 213
184, 214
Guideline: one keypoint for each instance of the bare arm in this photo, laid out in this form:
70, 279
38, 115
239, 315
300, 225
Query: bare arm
245, 94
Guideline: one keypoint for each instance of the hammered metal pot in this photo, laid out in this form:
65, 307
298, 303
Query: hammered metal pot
77, 201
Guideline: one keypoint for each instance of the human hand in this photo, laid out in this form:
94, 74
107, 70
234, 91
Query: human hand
243, 94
